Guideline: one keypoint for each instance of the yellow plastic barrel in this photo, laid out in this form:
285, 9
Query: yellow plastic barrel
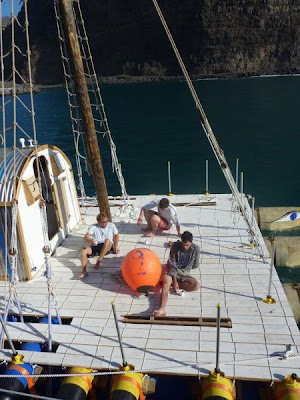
76, 387
127, 387
217, 387
289, 389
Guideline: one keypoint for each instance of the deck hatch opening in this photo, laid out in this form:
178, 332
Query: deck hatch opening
176, 320
35, 319
18, 345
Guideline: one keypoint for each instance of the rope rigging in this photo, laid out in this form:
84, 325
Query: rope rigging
99, 114
18, 129
219, 153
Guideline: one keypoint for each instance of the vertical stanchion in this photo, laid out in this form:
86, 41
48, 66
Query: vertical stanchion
269, 299
11, 345
119, 334
242, 185
252, 207
169, 179
206, 179
237, 172
217, 369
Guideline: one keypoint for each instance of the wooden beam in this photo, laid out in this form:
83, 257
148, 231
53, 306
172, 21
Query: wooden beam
85, 107
176, 320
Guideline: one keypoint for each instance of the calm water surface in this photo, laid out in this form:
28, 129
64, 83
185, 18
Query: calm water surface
256, 120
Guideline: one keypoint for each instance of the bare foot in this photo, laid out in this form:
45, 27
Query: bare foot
148, 228
150, 234
161, 312
97, 265
83, 275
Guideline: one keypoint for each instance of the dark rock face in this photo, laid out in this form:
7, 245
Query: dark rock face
215, 38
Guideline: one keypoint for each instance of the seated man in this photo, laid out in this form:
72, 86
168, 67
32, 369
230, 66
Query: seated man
102, 237
163, 219
183, 257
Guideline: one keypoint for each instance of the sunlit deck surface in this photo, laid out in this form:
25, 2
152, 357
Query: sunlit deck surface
229, 273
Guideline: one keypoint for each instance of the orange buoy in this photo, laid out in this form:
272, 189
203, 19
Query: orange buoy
141, 270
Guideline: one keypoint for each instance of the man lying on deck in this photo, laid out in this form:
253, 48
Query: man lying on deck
184, 256
162, 219
103, 238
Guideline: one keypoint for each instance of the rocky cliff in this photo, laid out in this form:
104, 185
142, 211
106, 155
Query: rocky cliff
215, 38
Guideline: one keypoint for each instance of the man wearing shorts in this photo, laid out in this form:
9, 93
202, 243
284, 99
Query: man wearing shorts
184, 256
103, 238
163, 219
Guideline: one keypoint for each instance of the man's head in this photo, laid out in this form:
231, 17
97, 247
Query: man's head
102, 219
164, 203
186, 240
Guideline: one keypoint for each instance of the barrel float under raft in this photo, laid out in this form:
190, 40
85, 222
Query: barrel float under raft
292, 293
127, 387
76, 387
141, 270
217, 387
289, 389
19, 369
287, 250
277, 218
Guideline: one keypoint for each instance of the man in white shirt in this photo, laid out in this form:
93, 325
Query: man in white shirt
163, 219
103, 238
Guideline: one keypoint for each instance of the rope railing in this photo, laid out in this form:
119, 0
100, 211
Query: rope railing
71, 95
284, 356
90, 70
18, 129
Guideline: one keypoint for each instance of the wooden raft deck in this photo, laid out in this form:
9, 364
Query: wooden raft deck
229, 273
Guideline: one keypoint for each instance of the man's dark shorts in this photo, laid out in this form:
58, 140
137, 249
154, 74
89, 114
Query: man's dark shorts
96, 250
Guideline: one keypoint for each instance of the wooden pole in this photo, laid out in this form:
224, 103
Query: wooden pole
85, 108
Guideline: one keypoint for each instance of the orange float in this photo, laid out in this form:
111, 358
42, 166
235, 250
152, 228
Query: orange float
141, 270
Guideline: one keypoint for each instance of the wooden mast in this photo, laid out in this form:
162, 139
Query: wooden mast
85, 108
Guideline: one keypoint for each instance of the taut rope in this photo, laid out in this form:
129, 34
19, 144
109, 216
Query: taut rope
211, 137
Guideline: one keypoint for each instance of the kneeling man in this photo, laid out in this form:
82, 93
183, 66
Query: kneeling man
103, 238
184, 256
162, 219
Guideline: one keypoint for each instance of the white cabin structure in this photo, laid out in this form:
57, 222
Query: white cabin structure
59, 192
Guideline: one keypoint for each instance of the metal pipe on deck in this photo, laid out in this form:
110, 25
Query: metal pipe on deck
206, 178
269, 299
169, 179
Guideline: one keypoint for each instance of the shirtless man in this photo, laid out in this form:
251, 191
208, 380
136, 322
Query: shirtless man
163, 219
184, 256
103, 238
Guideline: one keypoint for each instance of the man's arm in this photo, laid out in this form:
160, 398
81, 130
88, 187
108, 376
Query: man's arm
116, 244
140, 218
172, 263
196, 257
88, 238
148, 206
175, 220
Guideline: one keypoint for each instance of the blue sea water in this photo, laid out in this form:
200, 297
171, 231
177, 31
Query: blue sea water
255, 120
